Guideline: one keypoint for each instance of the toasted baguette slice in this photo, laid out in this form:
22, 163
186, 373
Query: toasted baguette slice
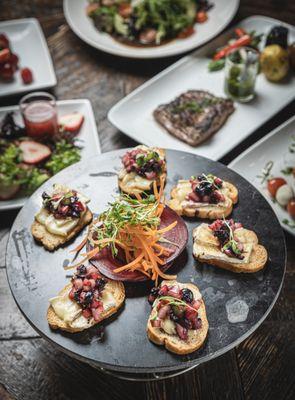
114, 287
144, 185
50, 241
256, 260
212, 211
173, 343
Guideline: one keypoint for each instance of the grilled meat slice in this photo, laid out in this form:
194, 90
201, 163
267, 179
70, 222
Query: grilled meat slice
194, 116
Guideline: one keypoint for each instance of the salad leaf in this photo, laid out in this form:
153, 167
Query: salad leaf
10, 172
64, 155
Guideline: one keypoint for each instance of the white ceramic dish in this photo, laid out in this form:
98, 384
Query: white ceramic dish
273, 147
133, 115
219, 17
88, 136
28, 42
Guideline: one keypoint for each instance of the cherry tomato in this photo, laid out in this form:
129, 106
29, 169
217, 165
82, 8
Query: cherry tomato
274, 184
201, 17
186, 32
291, 207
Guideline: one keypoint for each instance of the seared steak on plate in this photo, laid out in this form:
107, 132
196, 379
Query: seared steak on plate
194, 116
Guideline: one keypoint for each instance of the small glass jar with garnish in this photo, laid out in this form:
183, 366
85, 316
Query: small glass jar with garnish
241, 69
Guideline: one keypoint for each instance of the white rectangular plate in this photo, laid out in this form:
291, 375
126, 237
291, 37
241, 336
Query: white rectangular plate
88, 136
273, 147
28, 42
133, 115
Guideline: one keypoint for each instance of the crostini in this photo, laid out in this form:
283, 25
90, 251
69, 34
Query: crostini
226, 244
178, 319
63, 215
84, 302
205, 196
142, 167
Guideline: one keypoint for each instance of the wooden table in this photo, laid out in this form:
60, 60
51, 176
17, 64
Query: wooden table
262, 367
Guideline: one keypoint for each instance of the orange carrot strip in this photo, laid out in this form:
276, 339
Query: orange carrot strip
124, 267
80, 246
167, 228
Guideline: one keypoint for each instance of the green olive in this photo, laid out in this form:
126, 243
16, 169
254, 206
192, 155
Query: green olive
274, 62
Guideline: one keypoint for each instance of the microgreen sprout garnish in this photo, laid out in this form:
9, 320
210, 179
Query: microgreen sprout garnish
125, 211
232, 244
289, 223
209, 178
172, 301
143, 158
265, 172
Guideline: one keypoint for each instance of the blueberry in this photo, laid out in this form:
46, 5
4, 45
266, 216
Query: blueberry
187, 295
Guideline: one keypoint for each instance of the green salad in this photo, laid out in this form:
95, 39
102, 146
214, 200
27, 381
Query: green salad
26, 163
147, 22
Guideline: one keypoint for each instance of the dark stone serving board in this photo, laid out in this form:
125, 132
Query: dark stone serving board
236, 303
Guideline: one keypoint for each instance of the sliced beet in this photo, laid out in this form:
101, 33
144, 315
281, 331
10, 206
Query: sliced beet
106, 263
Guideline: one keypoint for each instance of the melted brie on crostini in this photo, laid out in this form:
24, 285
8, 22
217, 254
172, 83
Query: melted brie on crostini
134, 181
184, 188
206, 245
70, 312
62, 226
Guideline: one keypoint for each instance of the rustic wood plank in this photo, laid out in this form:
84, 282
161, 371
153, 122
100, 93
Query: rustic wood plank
267, 362
12, 323
36, 370
213, 380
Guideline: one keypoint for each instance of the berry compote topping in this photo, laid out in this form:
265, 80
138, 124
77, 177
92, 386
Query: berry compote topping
205, 189
179, 306
146, 163
224, 230
63, 205
87, 286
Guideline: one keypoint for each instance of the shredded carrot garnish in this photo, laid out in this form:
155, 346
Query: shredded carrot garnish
133, 226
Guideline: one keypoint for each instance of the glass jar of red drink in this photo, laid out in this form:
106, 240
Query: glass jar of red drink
39, 113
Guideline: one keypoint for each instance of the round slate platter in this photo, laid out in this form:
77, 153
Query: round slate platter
236, 303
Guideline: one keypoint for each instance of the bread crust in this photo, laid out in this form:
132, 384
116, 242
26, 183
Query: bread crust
118, 291
204, 212
163, 176
257, 261
172, 342
50, 241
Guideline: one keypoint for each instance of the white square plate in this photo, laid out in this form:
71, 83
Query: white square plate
133, 115
273, 147
28, 42
88, 136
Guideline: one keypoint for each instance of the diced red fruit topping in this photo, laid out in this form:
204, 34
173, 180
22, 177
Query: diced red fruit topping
87, 313
218, 181
151, 175
174, 291
156, 323
94, 275
96, 313
34, 152
71, 122
196, 304
164, 311
95, 304
194, 197
4, 55
72, 293
26, 75
78, 284
164, 290
181, 331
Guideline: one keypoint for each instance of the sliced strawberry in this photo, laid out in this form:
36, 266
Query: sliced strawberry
34, 152
71, 122
4, 55
27, 76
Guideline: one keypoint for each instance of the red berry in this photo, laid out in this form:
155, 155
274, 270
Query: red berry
6, 71
13, 59
4, 42
87, 313
27, 76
